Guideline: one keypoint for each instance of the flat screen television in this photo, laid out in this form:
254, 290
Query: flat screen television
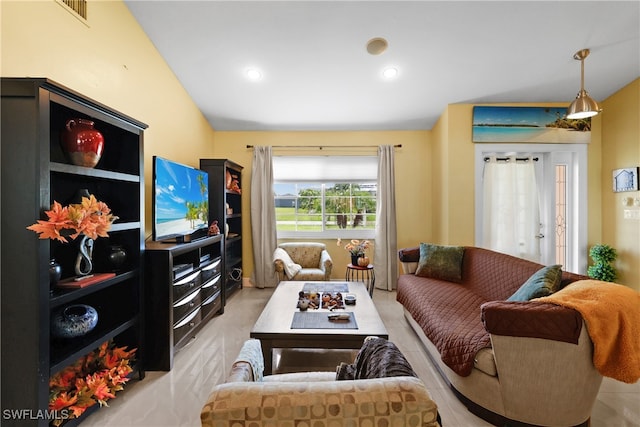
180, 202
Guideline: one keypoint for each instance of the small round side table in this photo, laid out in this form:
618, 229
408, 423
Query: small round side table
356, 273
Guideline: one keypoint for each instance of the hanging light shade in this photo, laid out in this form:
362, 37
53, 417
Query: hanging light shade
583, 106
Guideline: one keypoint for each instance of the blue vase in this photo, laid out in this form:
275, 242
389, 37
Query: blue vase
74, 321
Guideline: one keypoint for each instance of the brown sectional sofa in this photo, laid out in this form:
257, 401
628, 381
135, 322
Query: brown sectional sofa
511, 363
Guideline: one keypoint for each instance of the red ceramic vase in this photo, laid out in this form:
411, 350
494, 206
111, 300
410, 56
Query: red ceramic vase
82, 144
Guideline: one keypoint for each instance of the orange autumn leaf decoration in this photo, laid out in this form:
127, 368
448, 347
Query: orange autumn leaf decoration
62, 401
94, 378
91, 217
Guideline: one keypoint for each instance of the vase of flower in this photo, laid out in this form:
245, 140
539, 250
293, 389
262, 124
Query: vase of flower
356, 249
74, 321
82, 144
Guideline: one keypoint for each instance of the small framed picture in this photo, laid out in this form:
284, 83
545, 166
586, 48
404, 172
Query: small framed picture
625, 179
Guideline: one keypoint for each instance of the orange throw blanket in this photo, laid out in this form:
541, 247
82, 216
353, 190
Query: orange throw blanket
612, 315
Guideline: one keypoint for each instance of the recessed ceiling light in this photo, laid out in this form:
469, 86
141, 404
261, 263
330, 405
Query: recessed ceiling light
390, 73
254, 74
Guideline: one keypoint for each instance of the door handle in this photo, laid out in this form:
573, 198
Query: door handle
540, 236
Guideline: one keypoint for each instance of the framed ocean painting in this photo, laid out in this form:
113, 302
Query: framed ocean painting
528, 125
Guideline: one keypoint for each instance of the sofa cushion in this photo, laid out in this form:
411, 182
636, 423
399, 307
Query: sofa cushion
542, 283
440, 262
449, 315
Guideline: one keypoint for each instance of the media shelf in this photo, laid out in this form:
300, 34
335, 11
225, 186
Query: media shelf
35, 173
225, 206
183, 291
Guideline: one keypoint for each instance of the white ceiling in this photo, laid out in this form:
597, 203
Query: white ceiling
317, 74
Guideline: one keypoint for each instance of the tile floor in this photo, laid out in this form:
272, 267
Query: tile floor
175, 398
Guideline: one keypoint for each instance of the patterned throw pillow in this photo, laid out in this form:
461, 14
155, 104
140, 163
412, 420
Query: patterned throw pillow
542, 283
440, 262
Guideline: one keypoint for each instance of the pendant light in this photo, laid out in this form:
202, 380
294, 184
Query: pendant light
583, 106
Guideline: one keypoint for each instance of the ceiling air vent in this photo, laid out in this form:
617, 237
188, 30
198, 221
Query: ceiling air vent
78, 6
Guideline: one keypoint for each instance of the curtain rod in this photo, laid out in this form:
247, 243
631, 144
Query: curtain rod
320, 147
506, 159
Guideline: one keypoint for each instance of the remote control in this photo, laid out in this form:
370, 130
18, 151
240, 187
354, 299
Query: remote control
339, 316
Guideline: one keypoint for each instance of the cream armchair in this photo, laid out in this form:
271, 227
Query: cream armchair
314, 398
302, 261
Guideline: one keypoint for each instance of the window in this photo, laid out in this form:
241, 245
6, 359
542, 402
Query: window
327, 197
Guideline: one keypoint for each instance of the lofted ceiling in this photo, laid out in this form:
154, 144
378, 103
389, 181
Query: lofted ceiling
318, 75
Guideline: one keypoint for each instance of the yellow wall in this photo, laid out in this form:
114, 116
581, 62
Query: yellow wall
615, 143
458, 200
112, 61
459, 166
413, 176
440, 183
621, 149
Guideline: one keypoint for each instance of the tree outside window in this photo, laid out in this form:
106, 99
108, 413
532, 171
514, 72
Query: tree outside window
328, 208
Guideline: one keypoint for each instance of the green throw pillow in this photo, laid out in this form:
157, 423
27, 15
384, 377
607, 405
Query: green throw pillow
542, 283
440, 262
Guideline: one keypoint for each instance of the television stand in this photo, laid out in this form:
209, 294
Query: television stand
183, 290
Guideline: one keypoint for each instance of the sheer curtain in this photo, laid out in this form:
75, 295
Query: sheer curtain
263, 218
511, 211
386, 257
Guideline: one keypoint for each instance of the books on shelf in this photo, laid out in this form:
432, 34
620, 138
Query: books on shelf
84, 281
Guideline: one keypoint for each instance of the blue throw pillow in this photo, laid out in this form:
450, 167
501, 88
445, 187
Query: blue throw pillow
542, 283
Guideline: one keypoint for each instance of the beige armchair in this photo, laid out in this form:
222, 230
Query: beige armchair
314, 398
302, 261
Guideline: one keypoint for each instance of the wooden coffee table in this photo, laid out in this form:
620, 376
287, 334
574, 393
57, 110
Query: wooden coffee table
273, 327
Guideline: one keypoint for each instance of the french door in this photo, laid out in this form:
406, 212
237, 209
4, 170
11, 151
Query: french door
561, 184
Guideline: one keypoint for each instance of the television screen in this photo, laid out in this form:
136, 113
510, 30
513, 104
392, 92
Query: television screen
180, 201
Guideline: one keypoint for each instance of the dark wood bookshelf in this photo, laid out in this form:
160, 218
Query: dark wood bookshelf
35, 173
221, 196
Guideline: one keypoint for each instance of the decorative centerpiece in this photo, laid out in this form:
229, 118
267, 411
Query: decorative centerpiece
73, 321
90, 219
82, 144
316, 300
94, 378
357, 250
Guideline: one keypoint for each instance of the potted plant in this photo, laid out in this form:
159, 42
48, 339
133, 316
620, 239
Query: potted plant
602, 256
356, 249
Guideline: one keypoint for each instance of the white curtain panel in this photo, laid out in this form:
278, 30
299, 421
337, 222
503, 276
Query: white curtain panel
511, 211
263, 218
386, 261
